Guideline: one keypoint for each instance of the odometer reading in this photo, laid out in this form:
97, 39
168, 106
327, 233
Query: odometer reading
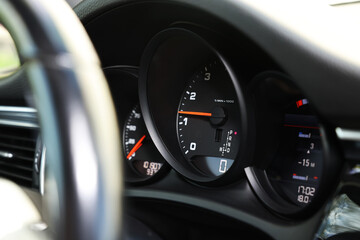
208, 120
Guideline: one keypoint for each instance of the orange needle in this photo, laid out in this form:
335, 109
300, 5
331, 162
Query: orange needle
196, 113
136, 147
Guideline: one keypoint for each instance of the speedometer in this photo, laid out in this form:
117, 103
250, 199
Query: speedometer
140, 152
208, 120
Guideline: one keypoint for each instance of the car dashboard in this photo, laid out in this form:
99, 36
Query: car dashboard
211, 123
221, 139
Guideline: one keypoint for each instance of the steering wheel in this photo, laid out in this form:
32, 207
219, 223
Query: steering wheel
78, 123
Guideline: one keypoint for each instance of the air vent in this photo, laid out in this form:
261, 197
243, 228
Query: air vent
20, 146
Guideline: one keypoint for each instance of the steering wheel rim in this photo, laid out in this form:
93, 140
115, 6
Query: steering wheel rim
83, 183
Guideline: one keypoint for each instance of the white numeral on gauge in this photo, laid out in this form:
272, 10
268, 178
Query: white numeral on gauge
192, 96
131, 128
207, 76
192, 146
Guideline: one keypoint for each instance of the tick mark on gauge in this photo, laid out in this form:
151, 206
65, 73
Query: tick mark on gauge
187, 151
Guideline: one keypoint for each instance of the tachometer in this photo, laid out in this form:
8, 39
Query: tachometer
208, 120
195, 108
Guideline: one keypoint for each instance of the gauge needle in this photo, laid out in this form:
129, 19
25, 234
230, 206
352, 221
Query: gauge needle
136, 147
196, 113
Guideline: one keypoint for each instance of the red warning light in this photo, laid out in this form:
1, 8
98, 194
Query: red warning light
299, 103
315, 177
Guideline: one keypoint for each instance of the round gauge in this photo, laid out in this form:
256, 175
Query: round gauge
208, 120
296, 170
140, 152
293, 165
194, 107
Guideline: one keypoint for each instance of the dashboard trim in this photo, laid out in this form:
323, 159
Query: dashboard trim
347, 134
300, 231
18, 116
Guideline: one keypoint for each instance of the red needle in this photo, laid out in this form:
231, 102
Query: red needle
196, 113
136, 147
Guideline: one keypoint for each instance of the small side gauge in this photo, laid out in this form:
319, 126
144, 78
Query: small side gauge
140, 152
297, 167
208, 120
293, 164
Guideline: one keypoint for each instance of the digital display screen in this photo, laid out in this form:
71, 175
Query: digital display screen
296, 169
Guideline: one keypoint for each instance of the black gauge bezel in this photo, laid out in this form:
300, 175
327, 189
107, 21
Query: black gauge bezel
261, 185
123, 83
203, 52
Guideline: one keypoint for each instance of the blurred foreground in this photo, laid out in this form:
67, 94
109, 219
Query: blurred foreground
9, 60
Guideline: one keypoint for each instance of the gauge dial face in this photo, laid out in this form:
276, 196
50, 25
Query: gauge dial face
208, 120
140, 152
297, 167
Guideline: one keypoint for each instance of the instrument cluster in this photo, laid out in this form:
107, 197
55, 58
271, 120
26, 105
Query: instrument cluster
188, 108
